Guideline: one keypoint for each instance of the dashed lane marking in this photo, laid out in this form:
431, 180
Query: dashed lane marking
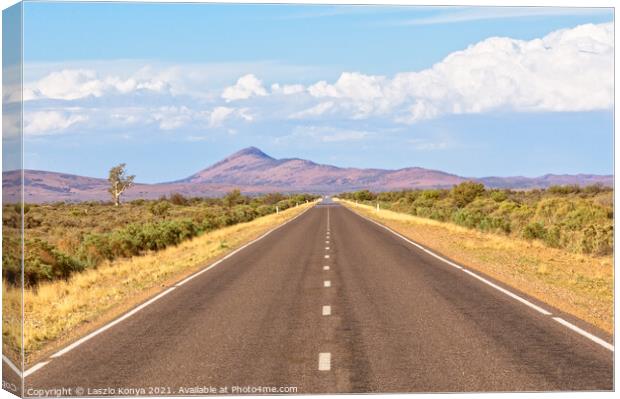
325, 361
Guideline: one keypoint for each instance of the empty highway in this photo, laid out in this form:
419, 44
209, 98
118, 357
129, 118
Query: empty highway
331, 303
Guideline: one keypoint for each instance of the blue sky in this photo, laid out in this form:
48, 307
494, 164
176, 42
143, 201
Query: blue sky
172, 88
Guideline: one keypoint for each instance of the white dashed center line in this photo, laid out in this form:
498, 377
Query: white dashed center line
327, 283
327, 248
326, 256
325, 361
325, 267
327, 310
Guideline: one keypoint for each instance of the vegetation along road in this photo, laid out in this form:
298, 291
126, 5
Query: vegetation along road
334, 302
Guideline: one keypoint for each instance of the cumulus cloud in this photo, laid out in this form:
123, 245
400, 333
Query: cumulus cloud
47, 122
246, 114
567, 70
247, 86
219, 115
286, 90
172, 117
72, 84
176, 117
314, 111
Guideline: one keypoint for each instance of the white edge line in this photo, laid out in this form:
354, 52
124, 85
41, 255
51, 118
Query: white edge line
150, 301
11, 365
584, 333
510, 294
484, 280
109, 325
237, 251
578, 330
35, 368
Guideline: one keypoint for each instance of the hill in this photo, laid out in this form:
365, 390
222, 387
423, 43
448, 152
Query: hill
255, 172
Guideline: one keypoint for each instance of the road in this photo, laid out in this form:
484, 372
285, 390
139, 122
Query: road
332, 302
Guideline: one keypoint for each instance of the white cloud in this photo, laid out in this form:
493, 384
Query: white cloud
287, 89
247, 86
176, 117
568, 70
351, 85
324, 134
72, 84
219, 115
48, 122
315, 111
323, 89
246, 115
170, 118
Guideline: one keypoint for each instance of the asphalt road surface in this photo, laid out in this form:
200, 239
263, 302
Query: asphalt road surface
332, 302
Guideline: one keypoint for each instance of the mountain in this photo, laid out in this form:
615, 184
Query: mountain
252, 167
254, 172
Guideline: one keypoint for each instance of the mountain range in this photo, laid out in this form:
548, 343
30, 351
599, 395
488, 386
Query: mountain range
254, 172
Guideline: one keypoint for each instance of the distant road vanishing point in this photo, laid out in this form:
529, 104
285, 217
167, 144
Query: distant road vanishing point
334, 303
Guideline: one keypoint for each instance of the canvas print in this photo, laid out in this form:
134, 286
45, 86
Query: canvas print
285, 199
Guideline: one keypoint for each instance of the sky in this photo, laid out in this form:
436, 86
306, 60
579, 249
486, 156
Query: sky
170, 89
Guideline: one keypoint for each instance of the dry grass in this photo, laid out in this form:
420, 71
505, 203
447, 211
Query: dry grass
11, 322
581, 285
60, 311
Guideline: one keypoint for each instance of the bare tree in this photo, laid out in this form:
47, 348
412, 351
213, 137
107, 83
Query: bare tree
119, 182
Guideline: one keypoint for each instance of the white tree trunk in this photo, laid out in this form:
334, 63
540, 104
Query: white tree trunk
117, 195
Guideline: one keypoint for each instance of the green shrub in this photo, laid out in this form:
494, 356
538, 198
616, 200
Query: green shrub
577, 219
160, 208
499, 195
93, 232
534, 230
11, 259
563, 190
597, 240
44, 262
466, 192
